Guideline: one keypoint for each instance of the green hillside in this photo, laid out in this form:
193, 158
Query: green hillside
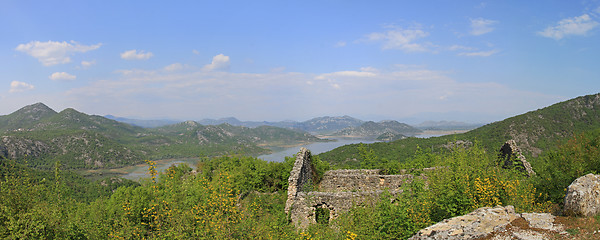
534, 132
25, 117
372, 129
38, 136
240, 197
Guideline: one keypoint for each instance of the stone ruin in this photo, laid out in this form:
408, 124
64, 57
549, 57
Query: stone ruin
338, 190
509, 152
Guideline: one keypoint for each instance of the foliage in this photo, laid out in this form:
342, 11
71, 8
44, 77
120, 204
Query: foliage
535, 132
239, 197
557, 169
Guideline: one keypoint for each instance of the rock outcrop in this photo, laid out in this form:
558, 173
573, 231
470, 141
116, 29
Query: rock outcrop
510, 152
492, 223
583, 196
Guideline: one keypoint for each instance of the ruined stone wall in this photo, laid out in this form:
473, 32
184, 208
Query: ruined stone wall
361, 180
339, 190
300, 176
304, 206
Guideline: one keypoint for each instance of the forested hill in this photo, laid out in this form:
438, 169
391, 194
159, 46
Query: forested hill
372, 129
39, 136
534, 132
25, 117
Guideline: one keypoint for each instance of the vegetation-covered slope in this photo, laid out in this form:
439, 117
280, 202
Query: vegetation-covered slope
25, 117
372, 129
236, 197
244, 198
534, 132
39, 136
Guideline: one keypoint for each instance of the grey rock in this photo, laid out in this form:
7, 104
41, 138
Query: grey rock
583, 196
510, 151
477, 224
493, 223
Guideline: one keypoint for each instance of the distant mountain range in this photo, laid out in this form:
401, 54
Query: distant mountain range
143, 123
320, 125
534, 133
389, 129
39, 136
447, 125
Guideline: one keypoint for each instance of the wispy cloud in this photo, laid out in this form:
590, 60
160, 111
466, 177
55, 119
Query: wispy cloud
276, 95
135, 55
16, 86
401, 39
480, 26
87, 64
360, 74
340, 44
62, 76
174, 67
219, 63
479, 54
578, 26
52, 53
459, 47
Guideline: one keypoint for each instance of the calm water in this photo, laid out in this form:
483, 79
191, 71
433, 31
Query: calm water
141, 171
315, 148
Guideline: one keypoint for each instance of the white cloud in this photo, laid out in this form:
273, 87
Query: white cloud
174, 67
135, 55
459, 47
300, 96
16, 86
340, 44
52, 53
195, 52
87, 64
219, 62
402, 39
570, 26
359, 74
62, 76
335, 85
479, 54
480, 26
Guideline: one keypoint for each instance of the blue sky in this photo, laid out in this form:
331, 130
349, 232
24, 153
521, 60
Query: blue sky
473, 61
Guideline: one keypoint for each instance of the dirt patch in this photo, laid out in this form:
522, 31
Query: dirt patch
579, 227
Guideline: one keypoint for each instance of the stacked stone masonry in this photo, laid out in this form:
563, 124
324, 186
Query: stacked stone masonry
339, 190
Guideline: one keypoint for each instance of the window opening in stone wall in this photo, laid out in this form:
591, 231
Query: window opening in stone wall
322, 215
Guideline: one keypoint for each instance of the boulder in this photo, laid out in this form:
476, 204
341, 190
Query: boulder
477, 224
583, 197
493, 223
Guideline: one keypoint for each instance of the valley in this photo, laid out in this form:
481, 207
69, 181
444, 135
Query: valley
96, 165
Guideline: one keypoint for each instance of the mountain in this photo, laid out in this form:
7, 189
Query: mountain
76, 139
389, 136
227, 133
372, 129
328, 124
447, 125
319, 125
39, 136
25, 117
143, 123
534, 132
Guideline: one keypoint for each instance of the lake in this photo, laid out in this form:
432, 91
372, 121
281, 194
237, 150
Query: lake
315, 148
141, 171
